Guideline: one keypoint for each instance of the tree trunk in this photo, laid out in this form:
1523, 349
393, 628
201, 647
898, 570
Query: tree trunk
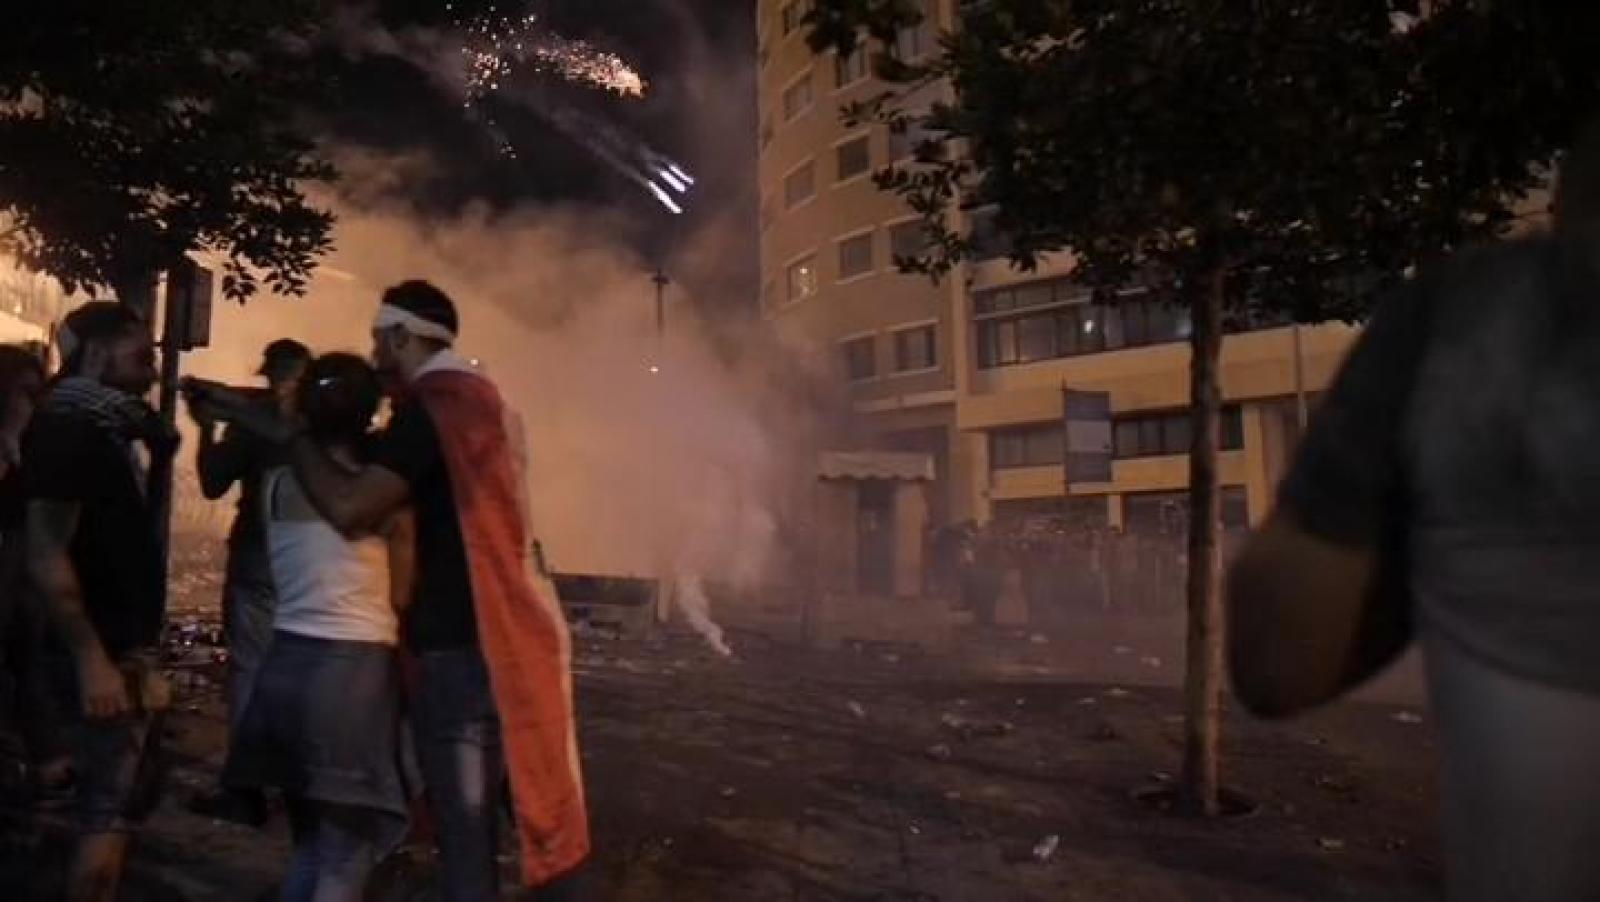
1203, 676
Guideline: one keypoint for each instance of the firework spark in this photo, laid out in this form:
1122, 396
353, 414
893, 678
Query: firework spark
497, 46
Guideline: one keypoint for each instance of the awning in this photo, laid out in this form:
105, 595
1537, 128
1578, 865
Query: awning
861, 465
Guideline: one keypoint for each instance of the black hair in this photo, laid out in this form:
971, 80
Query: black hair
424, 301
93, 323
339, 397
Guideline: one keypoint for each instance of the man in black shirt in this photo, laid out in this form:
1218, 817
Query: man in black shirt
247, 593
95, 555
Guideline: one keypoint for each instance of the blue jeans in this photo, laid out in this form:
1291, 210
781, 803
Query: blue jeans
333, 852
458, 745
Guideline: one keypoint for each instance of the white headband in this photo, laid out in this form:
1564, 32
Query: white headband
390, 316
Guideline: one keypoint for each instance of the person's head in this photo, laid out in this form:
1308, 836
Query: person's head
21, 381
415, 321
282, 364
338, 397
109, 343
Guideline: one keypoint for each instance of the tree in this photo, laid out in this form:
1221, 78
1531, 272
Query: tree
1248, 160
132, 133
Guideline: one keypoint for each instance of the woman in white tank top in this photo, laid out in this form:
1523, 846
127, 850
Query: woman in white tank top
323, 722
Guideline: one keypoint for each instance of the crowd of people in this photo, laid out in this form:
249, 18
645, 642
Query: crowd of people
399, 668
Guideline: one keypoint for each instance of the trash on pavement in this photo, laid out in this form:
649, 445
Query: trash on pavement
856, 709
1046, 848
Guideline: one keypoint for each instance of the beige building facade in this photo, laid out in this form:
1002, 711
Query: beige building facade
971, 371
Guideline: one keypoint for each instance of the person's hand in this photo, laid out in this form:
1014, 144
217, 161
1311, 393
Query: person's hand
103, 688
231, 405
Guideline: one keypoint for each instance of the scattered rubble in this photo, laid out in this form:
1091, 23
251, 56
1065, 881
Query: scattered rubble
1046, 848
939, 752
1330, 844
856, 709
1406, 717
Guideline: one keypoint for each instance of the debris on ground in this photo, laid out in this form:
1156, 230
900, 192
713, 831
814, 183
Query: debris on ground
1116, 692
940, 752
1121, 650
1151, 661
969, 729
1105, 733
1161, 776
728, 792
1046, 848
1039, 639
1088, 701
856, 709
1406, 717
1330, 844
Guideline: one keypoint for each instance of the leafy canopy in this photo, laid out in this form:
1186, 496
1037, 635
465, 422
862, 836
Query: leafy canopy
131, 133
1309, 150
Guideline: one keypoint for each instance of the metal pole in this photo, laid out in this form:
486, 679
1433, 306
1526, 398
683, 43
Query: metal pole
661, 282
174, 309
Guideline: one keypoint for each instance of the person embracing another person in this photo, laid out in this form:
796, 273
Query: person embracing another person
493, 695
323, 721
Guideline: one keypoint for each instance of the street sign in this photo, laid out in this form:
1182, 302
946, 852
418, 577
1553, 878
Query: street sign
195, 290
1088, 433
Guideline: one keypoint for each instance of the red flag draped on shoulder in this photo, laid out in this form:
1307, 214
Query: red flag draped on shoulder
520, 624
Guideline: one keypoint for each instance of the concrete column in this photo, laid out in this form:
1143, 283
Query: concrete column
910, 526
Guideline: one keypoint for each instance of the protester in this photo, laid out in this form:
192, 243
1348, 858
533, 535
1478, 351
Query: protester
94, 554
1450, 487
323, 722
22, 617
240, 458
494, 693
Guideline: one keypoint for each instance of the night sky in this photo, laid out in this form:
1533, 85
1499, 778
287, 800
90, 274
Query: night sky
697, 55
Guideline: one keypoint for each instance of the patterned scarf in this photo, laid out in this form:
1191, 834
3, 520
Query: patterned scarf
127, 419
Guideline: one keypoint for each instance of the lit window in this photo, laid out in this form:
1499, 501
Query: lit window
797, 98
854, 157
799, 186
801, 279
855, 256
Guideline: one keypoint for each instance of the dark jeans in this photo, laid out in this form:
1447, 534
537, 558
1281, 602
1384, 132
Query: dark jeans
247, 603
458, 745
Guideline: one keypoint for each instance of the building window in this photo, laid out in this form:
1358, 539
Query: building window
854, 157
1036, 445
799, 186
1060, 320
906, 138
914, 41
985, 239
793, 15
801, 279
908, 240
1162, 434
861, 358
797, 98
855, 256
916, 349
847, 70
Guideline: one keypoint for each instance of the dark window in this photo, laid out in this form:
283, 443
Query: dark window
916, 349
908, 239
855, 256
1155, 435
797, 98
986, 239
847, 70
854, 158
907, 138
915, 40
1039, 445
799, 186
861, 358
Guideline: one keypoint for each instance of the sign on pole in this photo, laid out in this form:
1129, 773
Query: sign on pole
1088, 436
197, 294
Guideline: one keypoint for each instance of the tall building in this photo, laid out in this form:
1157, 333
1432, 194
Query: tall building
972, 371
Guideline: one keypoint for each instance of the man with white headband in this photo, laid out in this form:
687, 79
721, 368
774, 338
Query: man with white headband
493, 695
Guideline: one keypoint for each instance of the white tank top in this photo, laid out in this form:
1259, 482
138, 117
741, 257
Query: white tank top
328, 586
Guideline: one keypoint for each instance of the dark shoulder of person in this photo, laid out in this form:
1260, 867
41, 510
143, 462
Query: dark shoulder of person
64, 458
409, 447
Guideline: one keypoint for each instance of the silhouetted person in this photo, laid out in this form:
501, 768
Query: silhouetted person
1449, 488
94, 554
242, 459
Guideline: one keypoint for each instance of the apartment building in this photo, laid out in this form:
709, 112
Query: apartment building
972, 371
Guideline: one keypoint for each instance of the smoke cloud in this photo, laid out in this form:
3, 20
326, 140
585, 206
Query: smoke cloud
651, 454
